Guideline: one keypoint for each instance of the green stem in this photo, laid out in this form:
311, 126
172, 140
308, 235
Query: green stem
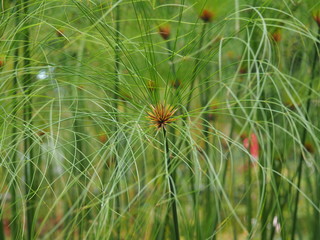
266, 206
28, 141
2, 236
15, 216
14, 206
171, 53
193, 79
195, 70
303, 137
316, 229
80, 160
171, 186
249, 202
226, 165
116, 97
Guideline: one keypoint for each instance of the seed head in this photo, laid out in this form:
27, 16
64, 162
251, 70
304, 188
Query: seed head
103, 138
243, 70
316, 17
161, 115
41, 133
206, 15
243, 136
60, 33
309, 147
176, 84
276, 36
151, 85
291, 105
164, 31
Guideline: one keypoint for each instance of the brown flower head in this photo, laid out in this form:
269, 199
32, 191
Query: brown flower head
276, 36
309, 147
60, 33
164, 31
206, 15
243, 136
176, 84
243, 70
1, 62
316, 17
212, 114
151, 85
81, 87
41, 133
103, 138
161, 115
293, 107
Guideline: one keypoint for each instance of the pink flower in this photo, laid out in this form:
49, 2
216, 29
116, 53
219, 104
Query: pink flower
252, 144
246, 143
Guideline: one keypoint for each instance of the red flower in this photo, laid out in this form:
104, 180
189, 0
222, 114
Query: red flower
252, 144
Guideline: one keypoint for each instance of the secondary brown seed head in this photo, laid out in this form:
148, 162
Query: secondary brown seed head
41, 133
309, 147
176, 84
60, 33
164, 31
291, 105
103, 138
243, 136
161, 115
243, 70
206, 15
151, 85
316, 17
276, 36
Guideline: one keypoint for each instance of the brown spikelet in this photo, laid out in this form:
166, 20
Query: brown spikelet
276, 36
309, 147
316, 17
207, 15
1, 62
243, 70
151, 85
243, 136
60, 33
176, 84
41, 133
161, 115
164, 32
103, 138
291, 105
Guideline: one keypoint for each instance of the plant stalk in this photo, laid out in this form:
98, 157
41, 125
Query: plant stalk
196, 67
172, 188
28, 140
304, 136
116, 97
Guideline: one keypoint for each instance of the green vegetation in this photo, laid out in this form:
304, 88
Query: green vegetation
160, 119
